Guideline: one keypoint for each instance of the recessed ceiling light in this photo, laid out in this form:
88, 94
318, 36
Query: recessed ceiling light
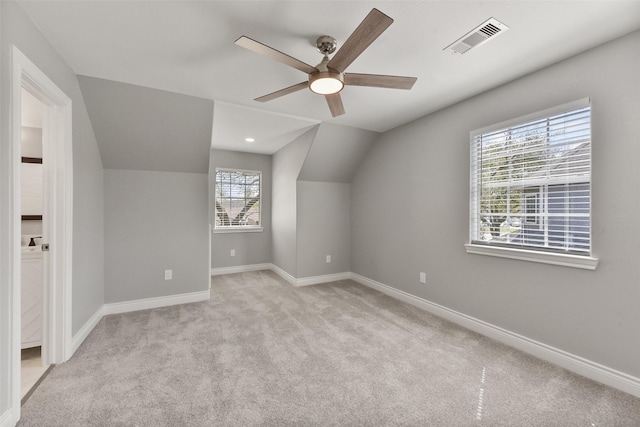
249, 140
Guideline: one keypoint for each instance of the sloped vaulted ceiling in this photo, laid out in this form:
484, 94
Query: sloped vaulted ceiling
148, 129
336, 153
188, 47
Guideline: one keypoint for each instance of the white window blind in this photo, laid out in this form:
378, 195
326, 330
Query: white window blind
237, 199
531, 181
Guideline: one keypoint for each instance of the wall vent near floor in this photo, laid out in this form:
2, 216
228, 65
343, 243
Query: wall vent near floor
484, 32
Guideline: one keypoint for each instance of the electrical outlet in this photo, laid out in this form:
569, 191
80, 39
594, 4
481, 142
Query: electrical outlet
328, 259
168, 274
232, 252
423, 277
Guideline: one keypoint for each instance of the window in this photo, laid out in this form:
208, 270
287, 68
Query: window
238, 200
531, 182
532, 206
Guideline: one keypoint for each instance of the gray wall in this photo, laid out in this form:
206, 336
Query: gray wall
336, 153
323, 219
287, 163
411, 205
155, 221
253, 247
140, 128
88, 223
323, 199
300, 239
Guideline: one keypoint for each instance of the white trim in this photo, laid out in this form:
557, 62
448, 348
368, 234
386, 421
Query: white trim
286, 276
7, 418
58, 213
238, 229
572, 362
547, 112
571, 176
209, 258
156, 302
314, 280
305, 281
241, 170
124, 307
86, 329
565, 260
240, 269
577, 364
58, 201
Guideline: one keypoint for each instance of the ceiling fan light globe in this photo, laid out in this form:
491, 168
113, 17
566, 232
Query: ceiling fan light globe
326, 83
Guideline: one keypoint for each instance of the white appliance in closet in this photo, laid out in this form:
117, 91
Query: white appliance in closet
31, 298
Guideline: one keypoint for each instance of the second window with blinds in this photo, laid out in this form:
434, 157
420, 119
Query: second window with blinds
238, 200
531, 182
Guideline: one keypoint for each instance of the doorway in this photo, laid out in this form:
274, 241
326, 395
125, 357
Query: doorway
32, 279
56, 217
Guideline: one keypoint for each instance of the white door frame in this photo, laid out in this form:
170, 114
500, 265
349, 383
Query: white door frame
57, 215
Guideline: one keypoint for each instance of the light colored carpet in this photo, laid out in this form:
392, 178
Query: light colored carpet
262, 352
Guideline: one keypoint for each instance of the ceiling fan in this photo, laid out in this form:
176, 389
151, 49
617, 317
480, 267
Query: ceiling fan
328, 78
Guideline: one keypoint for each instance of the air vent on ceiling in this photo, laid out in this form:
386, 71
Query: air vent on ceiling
483, 33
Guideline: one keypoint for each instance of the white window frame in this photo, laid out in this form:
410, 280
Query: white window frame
236, 228
583, 261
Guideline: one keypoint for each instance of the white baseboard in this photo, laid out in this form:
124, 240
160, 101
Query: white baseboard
86, 329
240, 269
572, 362
280, 272
577, 364
147, 303
127, 306
305, 281
6, 419
314, 280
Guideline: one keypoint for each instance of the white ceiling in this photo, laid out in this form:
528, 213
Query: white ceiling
188, 47
234, 124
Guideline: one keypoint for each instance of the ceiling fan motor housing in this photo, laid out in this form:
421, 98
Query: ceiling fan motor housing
326, 81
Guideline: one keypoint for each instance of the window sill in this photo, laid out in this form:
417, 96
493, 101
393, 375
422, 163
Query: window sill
574, 261
238, 230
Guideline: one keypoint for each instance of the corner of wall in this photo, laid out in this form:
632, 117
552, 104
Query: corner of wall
287, 164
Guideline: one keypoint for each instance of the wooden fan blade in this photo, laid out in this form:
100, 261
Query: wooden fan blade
378, 80
369, 29
283, 92
270, 52
335, 104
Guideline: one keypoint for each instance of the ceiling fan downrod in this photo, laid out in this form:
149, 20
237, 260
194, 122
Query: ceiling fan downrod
326, 81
